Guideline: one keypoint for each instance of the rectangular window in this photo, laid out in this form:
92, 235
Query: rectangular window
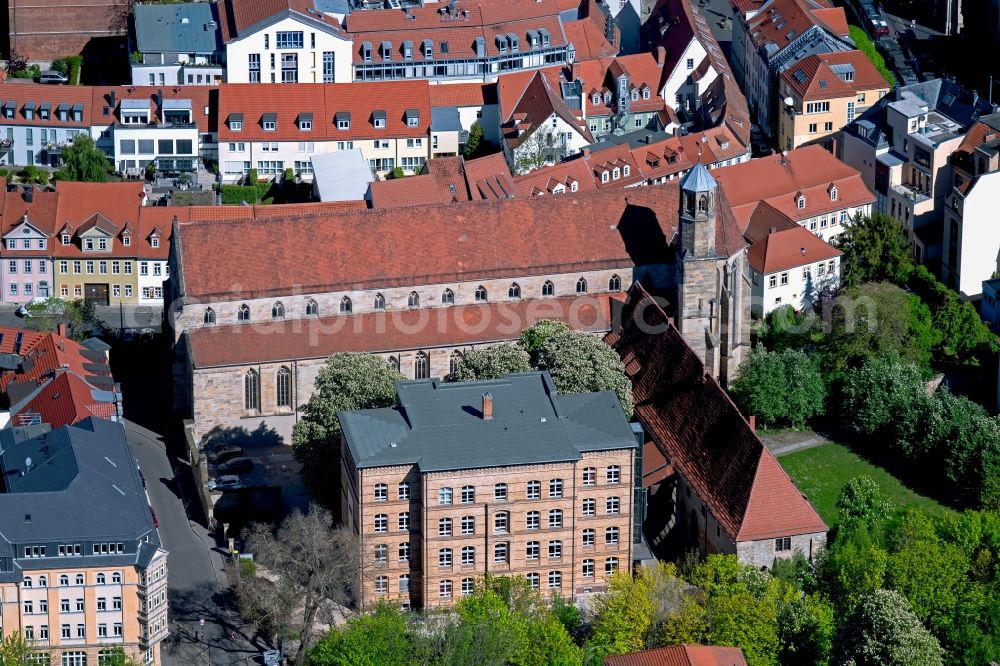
288, 40
784, 279
534, 490
254, 67
328, 71
782, 544
289, 67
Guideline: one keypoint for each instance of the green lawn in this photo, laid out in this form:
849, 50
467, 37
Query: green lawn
822, 471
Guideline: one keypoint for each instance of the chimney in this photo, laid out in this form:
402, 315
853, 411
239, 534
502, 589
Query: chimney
753, 423
586, 153
61, 330
770, 230
661, 55
487, 406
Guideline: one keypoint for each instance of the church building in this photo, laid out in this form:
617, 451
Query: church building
258, 305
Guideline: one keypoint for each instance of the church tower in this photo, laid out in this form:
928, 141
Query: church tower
699, 285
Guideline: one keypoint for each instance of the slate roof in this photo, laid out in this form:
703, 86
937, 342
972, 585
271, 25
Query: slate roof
387, 332
698, 180
439, 425
162, 29
80, 475
702, 432
681, 655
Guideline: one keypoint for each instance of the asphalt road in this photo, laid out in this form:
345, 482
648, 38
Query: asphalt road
198, 589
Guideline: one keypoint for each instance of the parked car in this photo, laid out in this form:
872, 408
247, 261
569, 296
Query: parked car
224, 454
271, 657
228, 482
42, 306
236, 465
52, 76
881, 28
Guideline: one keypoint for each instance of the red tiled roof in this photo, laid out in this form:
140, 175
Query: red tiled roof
458, 94
588, 40
681, 655
746, 6
777, 178
787, 249
47, 352
542, 181
324, 101
447, 180
410, 191
63, 400
459, 29
489, 178
116, 205
236, 16
765, 220
509, 237
701, 431
537, 102
384, 332
812, 78
41, 212
784, 20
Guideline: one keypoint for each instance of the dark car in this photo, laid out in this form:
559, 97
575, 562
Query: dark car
236, 465
224, 454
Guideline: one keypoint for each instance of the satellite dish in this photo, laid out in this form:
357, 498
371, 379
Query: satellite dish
789, 101
27, 462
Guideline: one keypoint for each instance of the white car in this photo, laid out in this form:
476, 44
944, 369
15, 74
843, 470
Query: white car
227, 482
42, 306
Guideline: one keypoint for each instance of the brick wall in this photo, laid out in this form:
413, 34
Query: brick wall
47, 29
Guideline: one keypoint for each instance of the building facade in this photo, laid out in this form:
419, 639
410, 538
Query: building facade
77, 591
433, 521
789, 268
282, 42
179, 44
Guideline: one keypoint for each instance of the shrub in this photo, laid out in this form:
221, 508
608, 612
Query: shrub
398, 172
237, 194
866, 46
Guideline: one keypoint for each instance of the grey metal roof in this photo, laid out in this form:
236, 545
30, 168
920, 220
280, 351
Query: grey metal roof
177, 104
891, 159
439, 425
445, 119
343, 175
161, 28
135, 105
698, 179
332, 6
81, 476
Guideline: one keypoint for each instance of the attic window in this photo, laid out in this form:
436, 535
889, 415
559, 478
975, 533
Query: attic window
645, 93
154, 241
607, 97
801, 202
545, 36
617, 174
626, 170
635, 95
408, 50
428, 48
833, 193
501, 43
366, 51
596, 99
800, 76
65, 239
378, 119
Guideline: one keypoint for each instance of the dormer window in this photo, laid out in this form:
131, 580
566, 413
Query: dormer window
635, 95
645, 93
235, 122
574, 186
269, 122
412, 118
428, 47
126, 240
407, 50
366, 51
501, 43
305, 122
386, 51
617, 174
378, 119
833, 193
343, 119
154, 241
65, 239
596, 99
605, 176
607, 97
801, 202
626, 170
545, 37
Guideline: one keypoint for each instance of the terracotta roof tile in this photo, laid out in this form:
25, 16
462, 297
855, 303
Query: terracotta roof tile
787, 249
458, 94
489, 178
588, 40
237, 16
812, 77
520, 236
701, 431
766, 219
384, 332
681, 655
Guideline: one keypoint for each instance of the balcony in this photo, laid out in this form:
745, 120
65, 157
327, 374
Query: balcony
911, 194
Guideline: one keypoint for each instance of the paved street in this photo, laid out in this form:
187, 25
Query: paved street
198, 586
136, 317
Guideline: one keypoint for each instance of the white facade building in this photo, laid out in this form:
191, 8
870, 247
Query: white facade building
789, 267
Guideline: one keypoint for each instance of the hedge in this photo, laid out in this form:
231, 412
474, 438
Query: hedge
865, 45
237, 194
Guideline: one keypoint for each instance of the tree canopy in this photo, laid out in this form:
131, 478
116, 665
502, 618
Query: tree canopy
579, 362
779, 387
882, 630
83, 160
492, 362
347, 381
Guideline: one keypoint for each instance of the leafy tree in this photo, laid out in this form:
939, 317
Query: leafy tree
622, 614
880, 394
535, 335
548, 643
347, 381
83, 161
580, 363
740, 619
567, 613
852, 566
882, 630
381, 637
116, 656
474, 139
964, 338
875, 318
805, 630
15, 650
492, 362
861, 502
324, 564
875, 249
16, 63
79, 317
779, 387
929, 572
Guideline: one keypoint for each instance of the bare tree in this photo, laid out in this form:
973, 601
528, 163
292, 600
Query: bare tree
266, 605
542, 147
320, 564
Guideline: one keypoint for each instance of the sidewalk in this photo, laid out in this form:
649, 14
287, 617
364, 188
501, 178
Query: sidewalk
787, 441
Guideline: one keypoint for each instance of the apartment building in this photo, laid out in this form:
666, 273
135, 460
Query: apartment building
770, 38
177, 44
459, 41
971, 241
808, 186
902, 147
75, 584
26, 270
271, 128
821, 94
548, 492
283, 41
790, 267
